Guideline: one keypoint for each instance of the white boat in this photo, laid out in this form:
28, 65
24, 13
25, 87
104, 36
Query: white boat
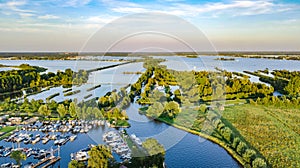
73, 137
45, 140
80, 156
53, 137
59, 141
36, 140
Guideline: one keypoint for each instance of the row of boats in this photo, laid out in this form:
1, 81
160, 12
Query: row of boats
118, 144
74, 126
35, 152
29, 138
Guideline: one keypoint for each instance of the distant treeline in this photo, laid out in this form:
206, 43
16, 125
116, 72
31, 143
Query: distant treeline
38, 55
68, 55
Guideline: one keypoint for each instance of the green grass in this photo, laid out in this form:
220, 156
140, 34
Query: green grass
7, 130
273, 131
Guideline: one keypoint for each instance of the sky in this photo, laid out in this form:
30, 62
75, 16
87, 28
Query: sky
228, 25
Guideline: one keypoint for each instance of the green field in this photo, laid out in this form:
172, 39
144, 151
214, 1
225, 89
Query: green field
273, 131
6, 131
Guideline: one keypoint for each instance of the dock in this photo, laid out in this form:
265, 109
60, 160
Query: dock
64, 142
53, 161
41, 162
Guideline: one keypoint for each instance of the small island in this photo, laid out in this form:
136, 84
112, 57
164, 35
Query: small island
225, 59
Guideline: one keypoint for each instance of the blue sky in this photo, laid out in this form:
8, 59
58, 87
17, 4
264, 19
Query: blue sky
65, 25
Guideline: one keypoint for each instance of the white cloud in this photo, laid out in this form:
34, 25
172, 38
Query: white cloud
48, 17
15, 7
232, 8
23, 15
129, 9
76, 3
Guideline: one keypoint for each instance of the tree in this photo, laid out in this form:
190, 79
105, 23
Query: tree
227, 134
76, 164
155, 110
171, 109
203, 108
153, 147
18, 156
259, 163
293, 87
100, 157
235, 142
61, 110
178, 96
72, 109
249, 155
241, 148
44, 110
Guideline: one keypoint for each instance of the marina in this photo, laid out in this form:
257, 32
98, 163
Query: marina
37, 140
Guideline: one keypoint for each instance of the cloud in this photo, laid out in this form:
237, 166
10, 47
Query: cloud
15, 7
76, 3
129, 10
214, 9
48, 17
23, 15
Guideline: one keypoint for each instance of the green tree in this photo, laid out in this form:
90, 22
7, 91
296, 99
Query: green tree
72, 109
202, 108
227, 134
62, 111
171, 109
235, 142
249, 155
44, 110
293, 87
178, 96
155, 110
18, 156
100, 157
259, 163
241, 148
76, 164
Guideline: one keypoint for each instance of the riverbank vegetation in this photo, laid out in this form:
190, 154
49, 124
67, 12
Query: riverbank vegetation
32, 79
283, 81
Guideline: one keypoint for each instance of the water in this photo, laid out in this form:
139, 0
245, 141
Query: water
55, 65
209, 63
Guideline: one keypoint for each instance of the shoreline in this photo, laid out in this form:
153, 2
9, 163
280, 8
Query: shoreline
216, 141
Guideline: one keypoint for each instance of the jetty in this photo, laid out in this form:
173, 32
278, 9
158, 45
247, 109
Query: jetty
52, 161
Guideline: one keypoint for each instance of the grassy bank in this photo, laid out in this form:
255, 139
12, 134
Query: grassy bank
274, 131
6, 131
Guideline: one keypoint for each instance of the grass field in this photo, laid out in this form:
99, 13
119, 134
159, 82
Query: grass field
273, 131
6, 131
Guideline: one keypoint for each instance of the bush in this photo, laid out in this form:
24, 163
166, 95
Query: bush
259, 163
